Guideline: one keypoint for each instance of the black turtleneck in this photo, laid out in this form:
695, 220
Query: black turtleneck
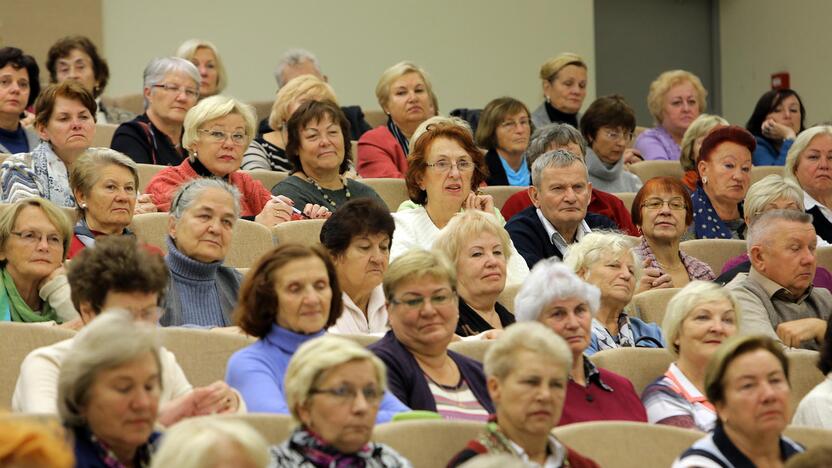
556, 116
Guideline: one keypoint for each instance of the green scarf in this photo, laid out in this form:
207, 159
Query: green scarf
14, 307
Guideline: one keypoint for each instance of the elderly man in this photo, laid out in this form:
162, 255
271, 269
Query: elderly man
560, 195
777, 296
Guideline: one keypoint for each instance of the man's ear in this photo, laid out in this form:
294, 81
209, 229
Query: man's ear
757, 256
534, 195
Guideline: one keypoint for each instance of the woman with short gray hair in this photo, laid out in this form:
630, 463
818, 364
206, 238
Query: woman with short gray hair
171, 88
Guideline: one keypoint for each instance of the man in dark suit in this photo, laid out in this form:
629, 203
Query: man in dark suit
560, 194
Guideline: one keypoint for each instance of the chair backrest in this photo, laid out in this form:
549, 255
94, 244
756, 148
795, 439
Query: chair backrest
641, 365
626, 198
16, 341
651, 305
262, 108
501, 193
202, 354
275, 428
146, 172
268, 178
129, 102
714, 252
392, 191
506, 298
626, 444
427, 443
823, 256
809, 436
104, 134
361, 339
304, 232
758, 172
804, 374
646, 170
375, 118
474, 349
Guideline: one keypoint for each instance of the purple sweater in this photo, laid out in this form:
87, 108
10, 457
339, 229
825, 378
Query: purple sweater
656, 143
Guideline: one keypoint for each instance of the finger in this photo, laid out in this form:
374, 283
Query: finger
283, 199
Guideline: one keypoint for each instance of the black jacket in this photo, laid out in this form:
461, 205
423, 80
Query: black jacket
496, 171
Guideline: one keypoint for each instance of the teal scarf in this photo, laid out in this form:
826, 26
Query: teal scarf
14, 308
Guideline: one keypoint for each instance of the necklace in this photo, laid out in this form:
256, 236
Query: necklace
347, 194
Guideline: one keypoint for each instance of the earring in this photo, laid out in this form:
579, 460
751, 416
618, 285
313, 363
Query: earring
83, 206
194, 153
704, 180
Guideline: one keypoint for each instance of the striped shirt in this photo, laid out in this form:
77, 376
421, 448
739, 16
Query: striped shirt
458, 402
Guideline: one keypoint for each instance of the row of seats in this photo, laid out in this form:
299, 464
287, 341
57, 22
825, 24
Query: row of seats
646, 170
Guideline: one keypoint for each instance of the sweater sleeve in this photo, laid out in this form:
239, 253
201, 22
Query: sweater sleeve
59, 296
255, 158
163, 186
175, 382
251, 376
651, 147
131, 140
374, 159
36, 390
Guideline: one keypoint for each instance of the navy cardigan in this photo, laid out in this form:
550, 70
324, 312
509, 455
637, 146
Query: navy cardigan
407, 380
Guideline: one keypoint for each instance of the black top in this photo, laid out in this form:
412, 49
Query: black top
496, 172
144, 143
354, 114
471, 323
557, 116
823, 227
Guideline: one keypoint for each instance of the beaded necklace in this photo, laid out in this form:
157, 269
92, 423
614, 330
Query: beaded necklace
326, 197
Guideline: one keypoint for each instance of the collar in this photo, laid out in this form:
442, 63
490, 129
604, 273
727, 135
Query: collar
555, 237
557, 116
555, 453
187, 267
809, 202
288, 341
684, 387
203, 171
600, 169
593, 375
376, 312
773, 289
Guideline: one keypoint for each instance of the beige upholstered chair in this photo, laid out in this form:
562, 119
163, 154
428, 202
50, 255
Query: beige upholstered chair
304, 232
262, 108
641, 365
506, 298
651, 305
203, 354
129, 102
758, 172
646, 170
361, 339
146, 173
104, 134
809, 436
626, 444
823, 257
427, 443
501, 193
627, 198
714, 252
474, 349
804, 374
275, 428
268, 178
392, 191
375, 118
16, 341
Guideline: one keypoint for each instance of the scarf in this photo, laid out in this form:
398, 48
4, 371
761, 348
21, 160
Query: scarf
109, 459
399, 135
557, 116
52, 175
706, 222
14, 308
87, 236
321, 454
625, 338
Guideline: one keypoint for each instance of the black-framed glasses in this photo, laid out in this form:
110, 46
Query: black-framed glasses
346, 394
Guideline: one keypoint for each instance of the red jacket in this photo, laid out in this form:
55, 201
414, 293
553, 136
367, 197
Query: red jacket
380, 155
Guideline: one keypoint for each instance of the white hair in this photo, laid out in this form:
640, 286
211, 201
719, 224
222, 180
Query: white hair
551, 280
292, 58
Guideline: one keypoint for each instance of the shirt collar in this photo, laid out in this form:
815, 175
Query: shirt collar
593, 375
555, 237
556, 453
771, 288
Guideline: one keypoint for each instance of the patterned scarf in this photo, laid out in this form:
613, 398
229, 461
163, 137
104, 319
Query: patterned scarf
625, 336
321, 454
706, 222
14, 308
52, 174
403, 142
110, 460
87, 236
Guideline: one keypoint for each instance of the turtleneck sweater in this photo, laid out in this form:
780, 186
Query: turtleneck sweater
610, 178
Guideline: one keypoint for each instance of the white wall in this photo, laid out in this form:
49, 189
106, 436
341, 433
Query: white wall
761, 37
474, 50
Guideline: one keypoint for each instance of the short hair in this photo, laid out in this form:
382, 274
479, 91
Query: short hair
814, 457
64, 46
493, 115
551, 280
86, 170
768, 190
593, 246
417, 263
258, 303
658, 185
730, 350
667, 80
429, 123
693, 295
728, 133
159, 67
212, 108
385, 82
314, 112
293, 58
45, 103
466, 226
560, 134
196, 442
17, 59
501, 357
607, 111
803, 140
435, 128
758, 233
318, 356
191, 190
118, 264
189, 48
550, 68
56, 216
556, 158
766, 105
305, 86
109, 341
698, 128
355, 218
30, 442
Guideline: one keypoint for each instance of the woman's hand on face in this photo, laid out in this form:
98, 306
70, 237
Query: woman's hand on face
632, 155
776, 131
316, 211
144, 204
653, 278
479, 202
276, 211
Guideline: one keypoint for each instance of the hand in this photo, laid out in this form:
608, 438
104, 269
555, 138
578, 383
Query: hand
74, 324
632, 155
276, 211
316, 211
492, 334
55, 273
776, 131
215, 398
653, 278
144, 204
794, 332
480, 202
28, 119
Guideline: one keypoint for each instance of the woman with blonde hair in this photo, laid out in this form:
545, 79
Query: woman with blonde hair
212, 442
809, 162
564, 81
205, 57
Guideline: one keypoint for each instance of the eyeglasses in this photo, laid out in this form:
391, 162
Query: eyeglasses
675, 204
7, 81
615, 135
462, 165
346, 394
148, 315
34, 238
219, 136
417, 302
512, 124
176, 89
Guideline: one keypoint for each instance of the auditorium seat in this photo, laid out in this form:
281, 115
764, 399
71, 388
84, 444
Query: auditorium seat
506, 298
809, 436
427, 443
361, 339
626, 198
268, 178
804, 374
646, 170
714, 252
202, 354
651, 305
759, 172
392, 191
275, 428
501, 193
129, 102
641, 365
304, 232
474, 349
146, 172
824, 257
104, 134
376, 118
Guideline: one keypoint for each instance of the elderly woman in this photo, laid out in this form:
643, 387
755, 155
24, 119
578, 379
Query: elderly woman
527, 370
422, 372
358, 237
445, 169
288, 298
698, 319
217, 131
34, 239
212, 443
724, 166
814, 409
556, 297
333, 389
564, 89
268, 151
480, 249
608, 126
119, 274
692, 142
676, 98
320, 152
809, 162
608, 261
777, 119
171, 88
206, 59
19, 86
405, 94
663, 211
747, 381
504, 130
65, 122
75, 58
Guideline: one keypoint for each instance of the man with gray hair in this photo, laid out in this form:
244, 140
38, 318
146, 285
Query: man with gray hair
776, 295
560, 195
